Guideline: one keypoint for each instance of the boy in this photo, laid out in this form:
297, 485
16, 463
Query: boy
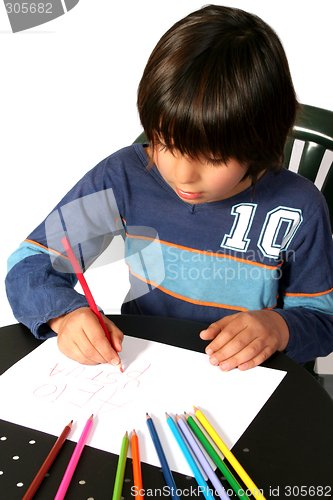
215, 231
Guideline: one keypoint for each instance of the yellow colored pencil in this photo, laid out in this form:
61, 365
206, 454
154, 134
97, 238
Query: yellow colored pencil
229, 456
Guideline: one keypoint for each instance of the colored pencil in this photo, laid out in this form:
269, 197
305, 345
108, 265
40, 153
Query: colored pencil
47, 463
203, 486
162, 458
229, 455
118, 484
137, 475
216, 458
220, 491
74, 460
86, 290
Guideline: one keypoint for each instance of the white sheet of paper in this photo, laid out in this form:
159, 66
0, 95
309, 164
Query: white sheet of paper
45, 390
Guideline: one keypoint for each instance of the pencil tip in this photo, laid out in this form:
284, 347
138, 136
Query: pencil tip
178, 417
91, 416
195, 408
167, 415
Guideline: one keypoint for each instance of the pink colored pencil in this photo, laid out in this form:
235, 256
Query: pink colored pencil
86, 290
74, 460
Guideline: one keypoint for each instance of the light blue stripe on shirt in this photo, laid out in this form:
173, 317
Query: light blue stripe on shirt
321, 303
211, 278
26, 249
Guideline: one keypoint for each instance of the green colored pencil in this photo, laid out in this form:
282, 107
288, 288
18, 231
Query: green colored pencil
118, 484
216, 458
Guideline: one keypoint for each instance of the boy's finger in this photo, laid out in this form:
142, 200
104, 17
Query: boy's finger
94, 344
96, 347
215, 328
252, 355
116, 335
257, 360
72, 351
241, 348
226, 336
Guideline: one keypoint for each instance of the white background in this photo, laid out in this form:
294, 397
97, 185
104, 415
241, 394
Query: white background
68, 100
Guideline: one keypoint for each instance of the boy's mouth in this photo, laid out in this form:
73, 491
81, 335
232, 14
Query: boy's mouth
188, 196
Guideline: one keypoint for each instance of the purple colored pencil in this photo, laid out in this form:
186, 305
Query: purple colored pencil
202, 459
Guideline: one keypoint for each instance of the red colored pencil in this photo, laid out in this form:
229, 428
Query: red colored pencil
137, 476
48, 462
86, 290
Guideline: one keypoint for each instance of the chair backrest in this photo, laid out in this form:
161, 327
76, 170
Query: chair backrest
309, 150
142, 138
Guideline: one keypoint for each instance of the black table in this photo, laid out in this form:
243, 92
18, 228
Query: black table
287, 449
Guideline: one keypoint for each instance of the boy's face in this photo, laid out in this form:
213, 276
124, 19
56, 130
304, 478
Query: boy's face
197, 181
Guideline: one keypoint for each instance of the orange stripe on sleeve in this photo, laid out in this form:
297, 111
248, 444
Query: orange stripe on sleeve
46, 248
308, 294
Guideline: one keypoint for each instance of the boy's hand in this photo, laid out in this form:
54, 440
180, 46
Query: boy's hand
81, 337
245, 339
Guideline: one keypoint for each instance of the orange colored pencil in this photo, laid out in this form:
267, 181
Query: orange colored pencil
137, 476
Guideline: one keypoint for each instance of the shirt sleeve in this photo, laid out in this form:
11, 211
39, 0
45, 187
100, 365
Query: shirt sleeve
37, 293
40, 280
306, 290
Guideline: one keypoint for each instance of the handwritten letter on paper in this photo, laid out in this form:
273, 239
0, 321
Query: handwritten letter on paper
102, 392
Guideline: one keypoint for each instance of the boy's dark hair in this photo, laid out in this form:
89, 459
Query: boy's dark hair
217, 86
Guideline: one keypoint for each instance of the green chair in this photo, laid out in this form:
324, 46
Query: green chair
309, 150
142, 138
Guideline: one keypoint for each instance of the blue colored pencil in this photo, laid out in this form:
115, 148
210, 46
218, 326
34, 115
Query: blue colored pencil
202, 460
203, 487
162, 458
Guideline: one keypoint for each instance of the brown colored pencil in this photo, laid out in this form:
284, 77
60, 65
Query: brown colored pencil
48, 462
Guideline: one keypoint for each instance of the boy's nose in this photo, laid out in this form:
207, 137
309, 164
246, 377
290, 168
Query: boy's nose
186, 171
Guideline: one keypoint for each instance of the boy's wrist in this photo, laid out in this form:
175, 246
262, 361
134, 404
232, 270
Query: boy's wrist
283, 329
54, 323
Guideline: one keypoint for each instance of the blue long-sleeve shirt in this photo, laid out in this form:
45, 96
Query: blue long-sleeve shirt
267, 249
